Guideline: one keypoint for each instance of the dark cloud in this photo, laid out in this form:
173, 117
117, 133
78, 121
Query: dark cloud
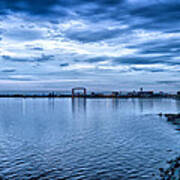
8, 70
163, 51
34, 48
162, 59
50, 7
136, 60
96, 59
162, 46
152, 15
172, 82
161, 11
64, 64
19, 79
87, 36
37, 49
60, 8
153, 70
118, 23
42, 58
9, 58
30, 6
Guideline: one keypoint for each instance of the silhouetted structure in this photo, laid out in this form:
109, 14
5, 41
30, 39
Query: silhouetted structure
79, 88
115, 93
143, 93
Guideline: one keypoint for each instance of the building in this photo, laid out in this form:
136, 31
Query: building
145, 93
115, 93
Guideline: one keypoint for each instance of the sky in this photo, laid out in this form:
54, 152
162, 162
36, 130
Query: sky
97, 44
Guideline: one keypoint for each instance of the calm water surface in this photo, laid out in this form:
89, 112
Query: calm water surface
86, 139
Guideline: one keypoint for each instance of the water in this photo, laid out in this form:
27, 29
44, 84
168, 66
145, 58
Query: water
86, 139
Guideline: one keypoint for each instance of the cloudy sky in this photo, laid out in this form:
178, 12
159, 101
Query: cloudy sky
99, 44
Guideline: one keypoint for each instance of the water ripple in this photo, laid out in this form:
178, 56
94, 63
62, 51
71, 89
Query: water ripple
92, 143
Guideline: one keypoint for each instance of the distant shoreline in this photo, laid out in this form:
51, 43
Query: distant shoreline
87, 96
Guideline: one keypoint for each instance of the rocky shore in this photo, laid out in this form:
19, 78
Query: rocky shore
173, 172
173, 118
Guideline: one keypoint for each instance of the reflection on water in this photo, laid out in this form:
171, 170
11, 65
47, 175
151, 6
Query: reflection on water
178, 104
78, 106
145, 104
86, 138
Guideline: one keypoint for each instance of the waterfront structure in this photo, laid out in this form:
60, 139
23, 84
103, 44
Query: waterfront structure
121, 93
82, 92
145, 93
115, 93
79, 88
93, 94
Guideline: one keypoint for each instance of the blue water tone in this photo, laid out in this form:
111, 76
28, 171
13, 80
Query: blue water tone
86, 138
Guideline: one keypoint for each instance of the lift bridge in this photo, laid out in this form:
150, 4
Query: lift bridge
77, 89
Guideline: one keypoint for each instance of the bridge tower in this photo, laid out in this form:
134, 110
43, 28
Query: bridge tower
79, 88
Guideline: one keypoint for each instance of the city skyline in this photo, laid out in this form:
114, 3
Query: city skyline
109, 45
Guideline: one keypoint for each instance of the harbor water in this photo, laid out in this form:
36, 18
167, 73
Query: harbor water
86, 138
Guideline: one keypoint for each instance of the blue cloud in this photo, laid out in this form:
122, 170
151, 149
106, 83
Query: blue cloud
93, 36
113, 39
8, 70
37, 49
64, 64
153, 70
23, 35
42, 58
